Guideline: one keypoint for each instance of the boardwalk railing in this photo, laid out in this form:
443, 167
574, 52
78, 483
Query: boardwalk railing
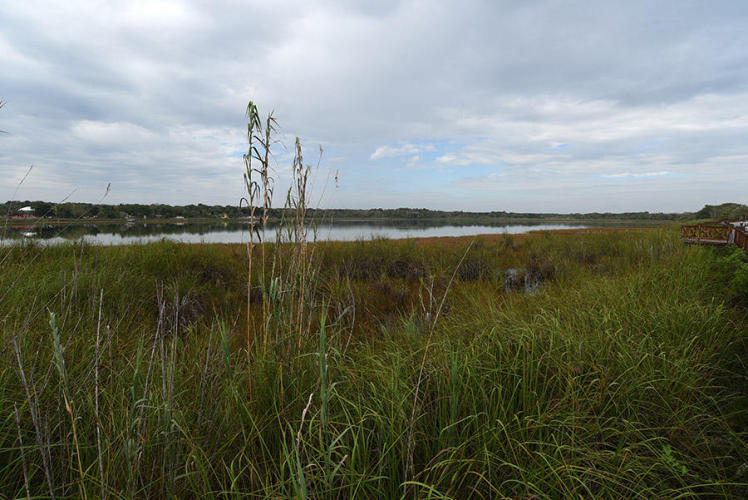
739, 236
727, 233
705, 234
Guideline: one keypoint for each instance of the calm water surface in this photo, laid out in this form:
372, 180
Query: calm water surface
233, 232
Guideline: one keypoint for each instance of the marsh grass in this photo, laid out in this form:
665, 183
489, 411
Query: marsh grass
623, 375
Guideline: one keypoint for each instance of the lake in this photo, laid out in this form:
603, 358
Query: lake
237, 232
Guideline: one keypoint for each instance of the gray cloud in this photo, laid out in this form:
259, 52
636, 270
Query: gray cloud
570, 106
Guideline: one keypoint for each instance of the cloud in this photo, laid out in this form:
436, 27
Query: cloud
623, 175
402, 150
110, 133
516, 104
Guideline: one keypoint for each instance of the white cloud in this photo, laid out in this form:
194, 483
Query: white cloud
622, 175
111, 132
402, 150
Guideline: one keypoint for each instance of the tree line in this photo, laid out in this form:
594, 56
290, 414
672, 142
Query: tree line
70, 210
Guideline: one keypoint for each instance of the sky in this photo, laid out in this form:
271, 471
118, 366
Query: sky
541, 106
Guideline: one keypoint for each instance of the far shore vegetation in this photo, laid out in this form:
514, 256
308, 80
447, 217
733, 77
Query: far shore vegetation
93, 212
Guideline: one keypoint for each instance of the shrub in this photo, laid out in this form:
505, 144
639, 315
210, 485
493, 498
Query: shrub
735, 266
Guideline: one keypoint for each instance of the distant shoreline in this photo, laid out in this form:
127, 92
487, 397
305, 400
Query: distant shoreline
198, 220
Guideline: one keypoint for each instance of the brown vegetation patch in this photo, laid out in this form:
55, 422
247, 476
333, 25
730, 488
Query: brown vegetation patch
181, 312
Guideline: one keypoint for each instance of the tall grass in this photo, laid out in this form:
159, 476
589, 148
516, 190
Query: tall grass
623, 375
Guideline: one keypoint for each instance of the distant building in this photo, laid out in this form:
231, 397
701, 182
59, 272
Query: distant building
24, 213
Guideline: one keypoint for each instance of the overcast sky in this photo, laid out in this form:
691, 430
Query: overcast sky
524, 105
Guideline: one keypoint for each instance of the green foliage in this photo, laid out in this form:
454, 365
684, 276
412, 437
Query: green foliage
735, 267
725, 211
70, 210
669, 459
620, 375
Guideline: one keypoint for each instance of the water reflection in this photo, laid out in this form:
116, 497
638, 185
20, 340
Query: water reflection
238, 232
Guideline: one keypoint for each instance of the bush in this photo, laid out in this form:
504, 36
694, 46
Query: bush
736, 267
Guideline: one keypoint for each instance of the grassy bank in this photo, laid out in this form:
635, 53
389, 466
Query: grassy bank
554, 365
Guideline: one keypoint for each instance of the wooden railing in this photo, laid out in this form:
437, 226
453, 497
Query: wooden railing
712, 234
705, 234
739, 236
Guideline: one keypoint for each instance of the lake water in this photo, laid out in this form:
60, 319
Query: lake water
234, 232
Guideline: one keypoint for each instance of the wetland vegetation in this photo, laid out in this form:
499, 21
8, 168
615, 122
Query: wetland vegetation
403, 368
